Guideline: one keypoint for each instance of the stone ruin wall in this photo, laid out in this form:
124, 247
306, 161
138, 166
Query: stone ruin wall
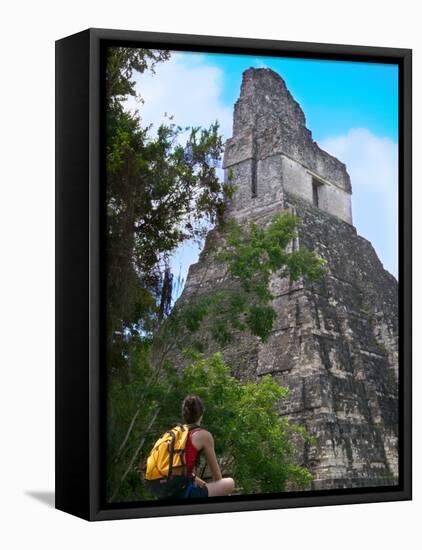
334, 342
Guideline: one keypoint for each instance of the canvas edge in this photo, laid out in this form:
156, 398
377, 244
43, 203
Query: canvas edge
97, 37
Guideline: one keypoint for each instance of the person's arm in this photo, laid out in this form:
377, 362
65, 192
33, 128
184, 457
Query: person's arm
200, 482
208, 446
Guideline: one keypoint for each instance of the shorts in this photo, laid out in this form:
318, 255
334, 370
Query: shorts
194, 491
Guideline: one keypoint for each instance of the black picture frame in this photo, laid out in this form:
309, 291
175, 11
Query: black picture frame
80, 278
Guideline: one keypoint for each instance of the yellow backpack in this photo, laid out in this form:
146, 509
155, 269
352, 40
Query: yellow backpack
166, 473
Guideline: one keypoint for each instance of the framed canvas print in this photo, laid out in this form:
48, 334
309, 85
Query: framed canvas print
233, 274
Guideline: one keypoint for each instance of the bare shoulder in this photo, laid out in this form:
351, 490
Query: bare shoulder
202, 438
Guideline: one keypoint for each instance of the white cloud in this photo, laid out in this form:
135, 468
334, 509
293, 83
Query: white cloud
191, 91
188, 90
372, 163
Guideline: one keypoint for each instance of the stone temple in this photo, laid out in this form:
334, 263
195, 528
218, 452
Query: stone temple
334, 342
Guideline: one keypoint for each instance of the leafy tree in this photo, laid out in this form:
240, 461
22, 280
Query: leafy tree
122, 63
162, 190
253, 442
241, 301
251, 256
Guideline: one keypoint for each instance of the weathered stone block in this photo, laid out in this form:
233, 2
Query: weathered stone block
335, 341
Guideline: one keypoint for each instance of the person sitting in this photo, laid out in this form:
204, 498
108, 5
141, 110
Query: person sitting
199, 440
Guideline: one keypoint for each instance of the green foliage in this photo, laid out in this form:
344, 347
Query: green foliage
260, 320
122, 63
161, 191
252, 442
242, 300
253, 255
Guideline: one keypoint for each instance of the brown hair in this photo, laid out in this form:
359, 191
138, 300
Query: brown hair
192, 409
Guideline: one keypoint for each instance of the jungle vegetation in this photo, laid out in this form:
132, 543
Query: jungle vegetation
162, 190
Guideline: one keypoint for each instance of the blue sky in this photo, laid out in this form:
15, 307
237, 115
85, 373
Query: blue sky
351, 109
334, 95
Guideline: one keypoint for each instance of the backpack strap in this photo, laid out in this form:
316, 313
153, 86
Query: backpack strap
178, 425
192, 427
171, 452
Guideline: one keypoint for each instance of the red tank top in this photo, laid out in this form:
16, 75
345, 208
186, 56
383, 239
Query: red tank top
191, 453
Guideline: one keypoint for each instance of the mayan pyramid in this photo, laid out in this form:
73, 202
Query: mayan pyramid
334, 342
